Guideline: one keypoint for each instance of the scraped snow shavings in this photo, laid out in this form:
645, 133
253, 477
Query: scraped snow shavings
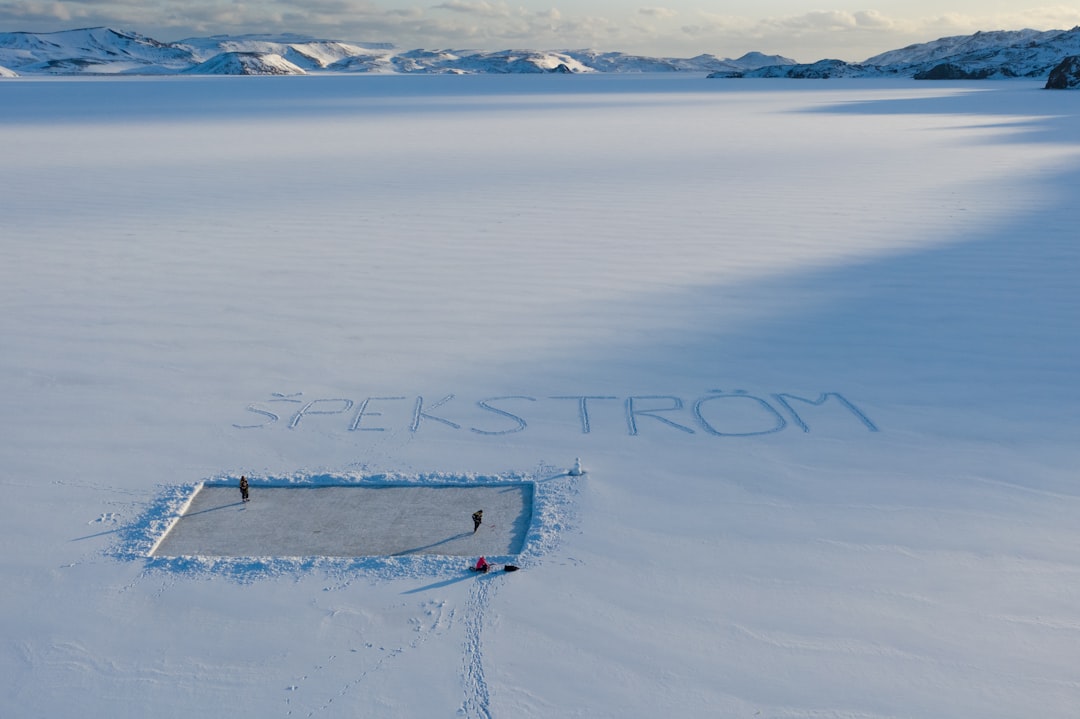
552, 514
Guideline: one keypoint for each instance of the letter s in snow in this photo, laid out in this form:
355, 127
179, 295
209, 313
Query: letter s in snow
521, 423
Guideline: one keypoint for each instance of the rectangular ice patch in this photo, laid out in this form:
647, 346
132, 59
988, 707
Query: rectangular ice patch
351, 521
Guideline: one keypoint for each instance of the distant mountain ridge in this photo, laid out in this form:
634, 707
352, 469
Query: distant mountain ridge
105, 51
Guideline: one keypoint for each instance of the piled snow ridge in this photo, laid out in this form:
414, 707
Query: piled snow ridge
554, 493
246, 63
5, 72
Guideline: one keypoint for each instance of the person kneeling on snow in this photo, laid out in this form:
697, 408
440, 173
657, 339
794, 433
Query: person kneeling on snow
481, 565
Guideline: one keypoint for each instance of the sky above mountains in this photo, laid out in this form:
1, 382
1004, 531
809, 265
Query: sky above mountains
805, 31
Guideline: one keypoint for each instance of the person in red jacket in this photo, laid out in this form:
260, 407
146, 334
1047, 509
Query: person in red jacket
481, 565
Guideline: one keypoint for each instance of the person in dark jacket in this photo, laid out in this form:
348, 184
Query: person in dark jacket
243, 489
477, 518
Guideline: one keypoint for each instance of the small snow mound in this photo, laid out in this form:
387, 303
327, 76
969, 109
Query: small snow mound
5, 72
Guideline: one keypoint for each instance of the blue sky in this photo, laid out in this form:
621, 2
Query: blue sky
805, 31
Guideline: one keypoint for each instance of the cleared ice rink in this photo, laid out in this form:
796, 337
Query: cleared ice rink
351, 521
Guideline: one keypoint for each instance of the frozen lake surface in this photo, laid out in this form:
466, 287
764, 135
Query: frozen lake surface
816, 344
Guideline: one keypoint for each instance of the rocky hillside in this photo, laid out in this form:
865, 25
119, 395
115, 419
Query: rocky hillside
1002, 54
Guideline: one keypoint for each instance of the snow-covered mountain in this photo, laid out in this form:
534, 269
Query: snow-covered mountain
822, 69
106, 51
1001, 54
1019, 53
91, 50
304, 52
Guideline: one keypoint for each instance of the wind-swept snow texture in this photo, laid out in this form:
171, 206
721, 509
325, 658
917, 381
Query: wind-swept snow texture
816, 347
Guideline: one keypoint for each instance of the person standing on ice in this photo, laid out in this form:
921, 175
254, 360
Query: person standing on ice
477, 518
243, 488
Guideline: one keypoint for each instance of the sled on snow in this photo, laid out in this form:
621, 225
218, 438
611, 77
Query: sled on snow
494, 568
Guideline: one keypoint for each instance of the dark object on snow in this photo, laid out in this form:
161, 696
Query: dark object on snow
1066, 76
483, 566
243, 488
477, 518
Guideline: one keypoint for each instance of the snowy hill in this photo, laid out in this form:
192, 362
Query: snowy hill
622, 62
820, 70
246, 63
513, 61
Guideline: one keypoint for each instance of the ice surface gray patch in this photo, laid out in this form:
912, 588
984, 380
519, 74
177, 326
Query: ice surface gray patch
351, 521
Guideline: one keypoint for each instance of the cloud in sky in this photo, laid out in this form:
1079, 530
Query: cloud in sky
842, 31
657, 12
480, 9
677, 28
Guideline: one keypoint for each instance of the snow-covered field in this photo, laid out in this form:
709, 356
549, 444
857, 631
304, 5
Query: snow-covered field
817, 346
